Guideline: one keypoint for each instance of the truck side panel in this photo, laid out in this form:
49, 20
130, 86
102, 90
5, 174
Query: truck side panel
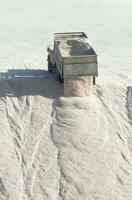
80, 59
58, 58
81, 69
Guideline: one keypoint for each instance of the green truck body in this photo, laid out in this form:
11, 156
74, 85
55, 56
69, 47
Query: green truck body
72, 55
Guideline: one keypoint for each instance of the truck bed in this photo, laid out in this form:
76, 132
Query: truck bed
73, 55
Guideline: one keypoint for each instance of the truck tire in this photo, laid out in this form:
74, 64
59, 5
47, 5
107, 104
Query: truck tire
49, 67
61, 80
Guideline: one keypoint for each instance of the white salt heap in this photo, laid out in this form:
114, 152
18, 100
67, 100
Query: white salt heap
79, 86
64, 148
94, 161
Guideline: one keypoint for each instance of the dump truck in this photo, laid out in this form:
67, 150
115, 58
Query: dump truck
75, 61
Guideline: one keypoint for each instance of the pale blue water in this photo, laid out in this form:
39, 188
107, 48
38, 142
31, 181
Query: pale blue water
26, 27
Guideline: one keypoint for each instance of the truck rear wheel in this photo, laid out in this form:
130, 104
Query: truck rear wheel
61, 80
49, 67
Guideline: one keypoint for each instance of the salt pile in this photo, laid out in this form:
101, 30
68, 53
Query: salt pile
75, 47
64, 148
78, 86
94, 161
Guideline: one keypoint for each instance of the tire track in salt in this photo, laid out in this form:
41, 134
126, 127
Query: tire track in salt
14, 117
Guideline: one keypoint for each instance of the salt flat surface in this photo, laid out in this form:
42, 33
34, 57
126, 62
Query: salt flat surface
27, 28
51, 147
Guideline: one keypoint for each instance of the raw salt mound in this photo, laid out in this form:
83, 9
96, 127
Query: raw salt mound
93, 158
69, 148
28, 157
78, 86
79, 47
75, 47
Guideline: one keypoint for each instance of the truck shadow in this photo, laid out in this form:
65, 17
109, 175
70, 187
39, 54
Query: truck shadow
24, 82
